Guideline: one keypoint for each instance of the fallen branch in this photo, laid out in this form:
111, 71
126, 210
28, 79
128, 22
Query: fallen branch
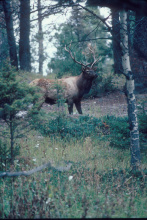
28, 173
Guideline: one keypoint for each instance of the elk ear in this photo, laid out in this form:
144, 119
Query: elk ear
83, 68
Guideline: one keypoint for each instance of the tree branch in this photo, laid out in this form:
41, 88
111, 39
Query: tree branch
28, 173
101, 19
98, 38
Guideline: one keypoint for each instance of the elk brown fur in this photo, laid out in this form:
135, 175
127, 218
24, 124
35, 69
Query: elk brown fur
73, 88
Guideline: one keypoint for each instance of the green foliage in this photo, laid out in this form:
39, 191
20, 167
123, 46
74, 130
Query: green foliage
119, 132
67, 128
143, 125
142, 117
15, 96
116, 128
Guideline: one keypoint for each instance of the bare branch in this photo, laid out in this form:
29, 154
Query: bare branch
101, 19
28, 173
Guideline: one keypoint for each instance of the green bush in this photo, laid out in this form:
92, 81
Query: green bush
67, 127
15, 96
119, 132
142, 116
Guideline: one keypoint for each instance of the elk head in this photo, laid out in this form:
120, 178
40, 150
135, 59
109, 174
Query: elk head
88, 69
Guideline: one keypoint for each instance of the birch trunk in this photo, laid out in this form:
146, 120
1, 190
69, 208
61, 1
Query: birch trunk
41, 57
116, 41
132, 110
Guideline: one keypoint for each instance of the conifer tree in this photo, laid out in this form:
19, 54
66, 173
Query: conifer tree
15, 96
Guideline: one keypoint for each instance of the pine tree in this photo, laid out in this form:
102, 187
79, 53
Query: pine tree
14, 97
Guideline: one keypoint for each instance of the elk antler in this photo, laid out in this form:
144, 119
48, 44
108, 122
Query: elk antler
69, 51
92, 63
93, 53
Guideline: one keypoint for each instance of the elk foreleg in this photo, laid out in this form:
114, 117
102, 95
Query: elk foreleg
70, 107
78, 106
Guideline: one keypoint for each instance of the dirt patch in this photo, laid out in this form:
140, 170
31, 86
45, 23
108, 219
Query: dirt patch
110, 104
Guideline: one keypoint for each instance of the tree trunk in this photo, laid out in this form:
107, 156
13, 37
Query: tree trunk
132, 110
12, 140
10, 33
4, 47
40, 35
24, 42
138, 53
116, 41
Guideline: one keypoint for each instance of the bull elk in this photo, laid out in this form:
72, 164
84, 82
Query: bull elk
73, 87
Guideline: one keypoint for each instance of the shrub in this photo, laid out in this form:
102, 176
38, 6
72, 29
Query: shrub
15, 96
67, 127
142, 116
119, 132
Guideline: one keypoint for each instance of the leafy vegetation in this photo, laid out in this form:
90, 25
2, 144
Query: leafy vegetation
99, 183
15, 96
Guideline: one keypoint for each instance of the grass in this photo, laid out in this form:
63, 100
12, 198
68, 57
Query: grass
98, 185
101, 185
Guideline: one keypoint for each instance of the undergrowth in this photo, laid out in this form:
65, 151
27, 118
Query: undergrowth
99, 183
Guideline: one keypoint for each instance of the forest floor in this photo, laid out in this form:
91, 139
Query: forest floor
114, 103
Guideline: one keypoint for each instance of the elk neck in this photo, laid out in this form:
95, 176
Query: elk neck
83, 83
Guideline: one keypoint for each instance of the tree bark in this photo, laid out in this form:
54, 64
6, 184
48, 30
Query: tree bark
138, 53
116, 41
24, 42
10, 33
132, 110
134, 5
12, 140
40, 33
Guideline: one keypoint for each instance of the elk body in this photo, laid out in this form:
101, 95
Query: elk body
72, 88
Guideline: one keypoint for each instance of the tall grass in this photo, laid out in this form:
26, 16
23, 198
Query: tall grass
99, 183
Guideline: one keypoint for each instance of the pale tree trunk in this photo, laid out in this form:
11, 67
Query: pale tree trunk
116, 41
40, 33
132, 110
